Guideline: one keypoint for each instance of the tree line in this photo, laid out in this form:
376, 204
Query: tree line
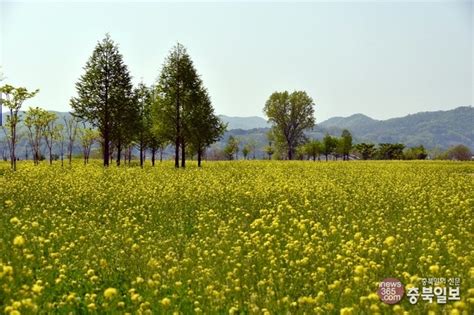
176, 110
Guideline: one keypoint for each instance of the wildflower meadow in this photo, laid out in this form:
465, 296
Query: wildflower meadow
242, 237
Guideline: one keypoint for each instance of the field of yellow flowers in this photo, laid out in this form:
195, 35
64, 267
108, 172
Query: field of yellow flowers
253, 237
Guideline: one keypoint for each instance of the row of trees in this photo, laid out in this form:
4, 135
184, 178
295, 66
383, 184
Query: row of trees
177, 110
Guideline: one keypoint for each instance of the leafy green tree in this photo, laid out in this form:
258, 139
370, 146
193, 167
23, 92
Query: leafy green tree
269, 150
49, 132
460, 152
415, 153
246, 151
13, 99
290, 114
252, 146
346, 144
61, 138
329, 145
366, 150
88, 136
390, 151
104, 95
231, 148
174, 95
313, 149
71, 128
35, 123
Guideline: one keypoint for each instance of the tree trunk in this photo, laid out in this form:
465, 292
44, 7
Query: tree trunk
199, 153
141, 153
153, 152
106, 148
183, 154
119, 153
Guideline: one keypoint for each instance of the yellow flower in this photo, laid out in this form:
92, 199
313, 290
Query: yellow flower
359, 269
19, 240
110, 293
37, 288
165, 302
389, 241
434, 268
346, 311
14, 221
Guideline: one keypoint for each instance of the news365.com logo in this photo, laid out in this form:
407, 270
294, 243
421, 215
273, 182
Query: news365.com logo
439, 290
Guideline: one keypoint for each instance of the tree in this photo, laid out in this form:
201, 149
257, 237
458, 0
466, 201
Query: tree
460, 152
269, 150
346, 144
231, 148
61, 138
290, 114
88, 137
105, 95
49, 132
313, 149
173, 99
203, 127
143, 98
35, 123
252, 146
415, 153
13, 99
71, 127
390, 151
246, 151
366, 150
329, 145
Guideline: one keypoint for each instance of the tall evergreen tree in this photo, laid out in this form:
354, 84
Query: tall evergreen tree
143, 99
204, 127
176, 95
105, 95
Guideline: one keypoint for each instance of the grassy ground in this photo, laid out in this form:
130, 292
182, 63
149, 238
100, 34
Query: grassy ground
253, 237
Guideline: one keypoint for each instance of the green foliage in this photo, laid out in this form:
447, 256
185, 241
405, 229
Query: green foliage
313, 149
390, 151
415, 153
346, 143
290, 114
232, 148
459, 152
329, 145
13, 98
182, 107
366, 150
104, 96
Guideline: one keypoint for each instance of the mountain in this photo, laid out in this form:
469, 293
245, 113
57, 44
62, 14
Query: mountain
347, 122
432, 129
244, 123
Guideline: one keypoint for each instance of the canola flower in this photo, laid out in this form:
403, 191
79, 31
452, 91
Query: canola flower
253, 237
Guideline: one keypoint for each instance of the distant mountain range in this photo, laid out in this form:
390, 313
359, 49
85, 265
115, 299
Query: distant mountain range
437, 129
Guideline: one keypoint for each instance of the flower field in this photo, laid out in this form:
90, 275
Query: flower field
252, 237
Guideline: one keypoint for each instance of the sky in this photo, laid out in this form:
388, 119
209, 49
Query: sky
383, 59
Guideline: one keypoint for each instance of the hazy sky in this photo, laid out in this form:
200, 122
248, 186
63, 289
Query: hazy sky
382, 59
